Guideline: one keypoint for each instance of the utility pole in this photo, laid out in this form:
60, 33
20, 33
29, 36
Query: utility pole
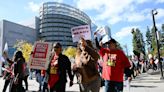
154, 12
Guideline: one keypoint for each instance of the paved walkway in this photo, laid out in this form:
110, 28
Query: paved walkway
142, 83
147, 83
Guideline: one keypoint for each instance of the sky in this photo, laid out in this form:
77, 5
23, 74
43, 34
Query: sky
120, 15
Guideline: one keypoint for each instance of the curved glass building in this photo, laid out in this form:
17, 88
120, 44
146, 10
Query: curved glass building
56, 21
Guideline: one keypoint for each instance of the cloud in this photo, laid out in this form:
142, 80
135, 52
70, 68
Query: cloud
138, 16
114, 20
160, 13
60, 1
28, 22
126, 31
114, 11
159, 1
34, 7
143, 1
86, 5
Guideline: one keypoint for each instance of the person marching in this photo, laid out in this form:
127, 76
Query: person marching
58, 67
18, 72
86, 67
115, 63
8, 73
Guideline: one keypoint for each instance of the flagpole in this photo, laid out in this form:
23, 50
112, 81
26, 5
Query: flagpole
5, 50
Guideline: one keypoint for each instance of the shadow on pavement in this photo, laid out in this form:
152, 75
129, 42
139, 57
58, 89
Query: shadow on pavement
143, 86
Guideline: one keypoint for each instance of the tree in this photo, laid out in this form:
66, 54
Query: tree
25, 47
138, 42
153, 42
162, 41
148, 39
163, 27
70, 52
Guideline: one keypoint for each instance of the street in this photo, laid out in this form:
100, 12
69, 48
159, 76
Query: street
142, 83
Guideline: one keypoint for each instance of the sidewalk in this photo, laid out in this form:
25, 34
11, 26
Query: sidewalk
143, 83
147, 83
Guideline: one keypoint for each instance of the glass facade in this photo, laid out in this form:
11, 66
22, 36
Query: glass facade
56, 21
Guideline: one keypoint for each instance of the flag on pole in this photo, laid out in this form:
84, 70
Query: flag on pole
5, 50
6, 47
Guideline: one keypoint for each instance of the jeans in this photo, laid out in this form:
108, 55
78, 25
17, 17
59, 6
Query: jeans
112, 86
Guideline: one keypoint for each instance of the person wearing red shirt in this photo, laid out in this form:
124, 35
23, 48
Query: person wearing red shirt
115, 63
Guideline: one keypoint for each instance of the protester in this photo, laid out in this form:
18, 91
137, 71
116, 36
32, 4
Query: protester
143, 66
86, 66
152, 65
31, 74
114, 65
45, 86
26, 74
16, 83
136, 66
56, 72
38, 78
129, 73
8, 73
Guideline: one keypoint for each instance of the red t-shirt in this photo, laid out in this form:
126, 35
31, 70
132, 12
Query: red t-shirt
54, 76
114, 71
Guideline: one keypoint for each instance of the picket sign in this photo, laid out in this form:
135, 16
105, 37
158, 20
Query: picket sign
101, 31
81, 32
39, 58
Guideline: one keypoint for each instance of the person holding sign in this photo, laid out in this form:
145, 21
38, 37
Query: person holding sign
17, 72
8, 71
115, 63
58, 67
86, 67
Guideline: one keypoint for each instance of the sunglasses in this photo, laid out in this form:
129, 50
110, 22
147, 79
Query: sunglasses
56, 48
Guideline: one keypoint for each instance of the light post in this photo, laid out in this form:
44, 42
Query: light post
154, 12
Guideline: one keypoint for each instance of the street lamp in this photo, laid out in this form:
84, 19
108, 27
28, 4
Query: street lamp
154, 12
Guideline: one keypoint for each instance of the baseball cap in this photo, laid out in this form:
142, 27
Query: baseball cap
111, 41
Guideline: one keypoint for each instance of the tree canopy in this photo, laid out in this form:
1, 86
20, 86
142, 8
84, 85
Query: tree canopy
70, 52
138, 42
25, 47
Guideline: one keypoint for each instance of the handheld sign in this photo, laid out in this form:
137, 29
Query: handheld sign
40, 56
101, 31
105, 39
81, 31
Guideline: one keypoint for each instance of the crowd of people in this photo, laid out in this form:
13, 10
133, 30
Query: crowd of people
103, 65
